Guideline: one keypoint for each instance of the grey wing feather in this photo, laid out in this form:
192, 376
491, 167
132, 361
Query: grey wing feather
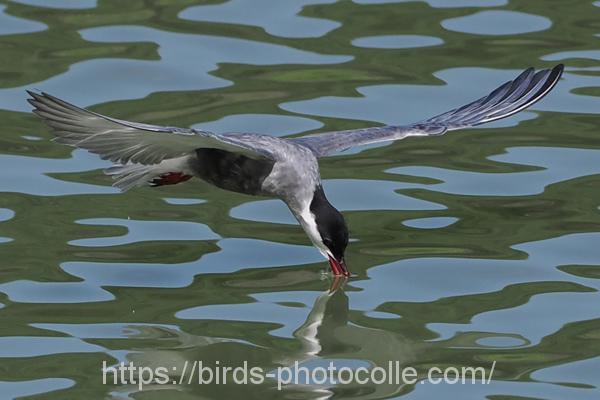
508, 99
129, 142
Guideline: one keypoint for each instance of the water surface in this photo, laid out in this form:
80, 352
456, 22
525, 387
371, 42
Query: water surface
473, 247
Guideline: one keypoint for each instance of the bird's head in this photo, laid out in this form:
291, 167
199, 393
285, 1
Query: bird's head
327, 230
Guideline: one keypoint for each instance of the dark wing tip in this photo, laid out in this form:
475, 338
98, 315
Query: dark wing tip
510, 98
559, 68
33, 97
556, 73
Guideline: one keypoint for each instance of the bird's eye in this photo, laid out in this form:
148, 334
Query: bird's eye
327, 242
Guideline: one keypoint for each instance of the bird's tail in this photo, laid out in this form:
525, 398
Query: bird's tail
168, 172
129, 176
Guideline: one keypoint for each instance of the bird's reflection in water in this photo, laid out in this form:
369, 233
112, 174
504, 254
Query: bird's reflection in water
325, 336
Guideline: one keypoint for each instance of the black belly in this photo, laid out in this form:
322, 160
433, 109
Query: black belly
231, 171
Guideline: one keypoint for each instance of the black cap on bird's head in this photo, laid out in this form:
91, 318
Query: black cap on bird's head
332, 229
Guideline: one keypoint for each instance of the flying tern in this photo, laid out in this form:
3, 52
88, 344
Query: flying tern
258, 164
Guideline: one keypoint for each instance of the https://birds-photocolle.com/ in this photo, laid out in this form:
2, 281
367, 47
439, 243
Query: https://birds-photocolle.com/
256, 164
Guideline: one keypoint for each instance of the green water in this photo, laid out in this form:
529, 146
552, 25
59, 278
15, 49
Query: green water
474, 247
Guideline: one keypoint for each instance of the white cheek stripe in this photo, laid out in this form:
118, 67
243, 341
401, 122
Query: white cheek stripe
307, 220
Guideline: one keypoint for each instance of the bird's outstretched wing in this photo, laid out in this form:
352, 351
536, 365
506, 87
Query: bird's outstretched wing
126, 142
506, 100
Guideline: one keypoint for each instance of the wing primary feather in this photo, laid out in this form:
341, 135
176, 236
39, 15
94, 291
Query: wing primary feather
508, 99
124, 141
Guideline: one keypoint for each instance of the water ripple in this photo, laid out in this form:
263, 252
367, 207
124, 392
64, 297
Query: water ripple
20, 389
10, 25
346, 194
477, 246
397, 41
498, 22
35, 346
139, 231
26, 291
430, 223
559, 164
101, 80
61, 4
276, 125
265, 310
279, 18
235, 254
443, 3
32, 176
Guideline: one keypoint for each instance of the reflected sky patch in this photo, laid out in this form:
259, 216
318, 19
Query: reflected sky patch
67, 4
10, 25
183, 202
101, 80
6, 214
381, 315
275, 125
516, 389
235, 254
497, 22
346, 194
397, 41
566, 55
430, 223
142, 231
278, 18
501, 341
26, 291
575, 373
447, 277
559, 164
547, 312
443, 3
31, 176
18, 389
32, 138
35, 346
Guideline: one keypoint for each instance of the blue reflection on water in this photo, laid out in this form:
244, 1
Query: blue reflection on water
100, 80
443, 3
279, 18
10, 25
275, 125
68, 4
397, 41
498, 22
430, 223
18, 389
557, 165
32, 175
140, 231
347, 195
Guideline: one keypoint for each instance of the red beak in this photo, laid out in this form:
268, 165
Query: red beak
338, 267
